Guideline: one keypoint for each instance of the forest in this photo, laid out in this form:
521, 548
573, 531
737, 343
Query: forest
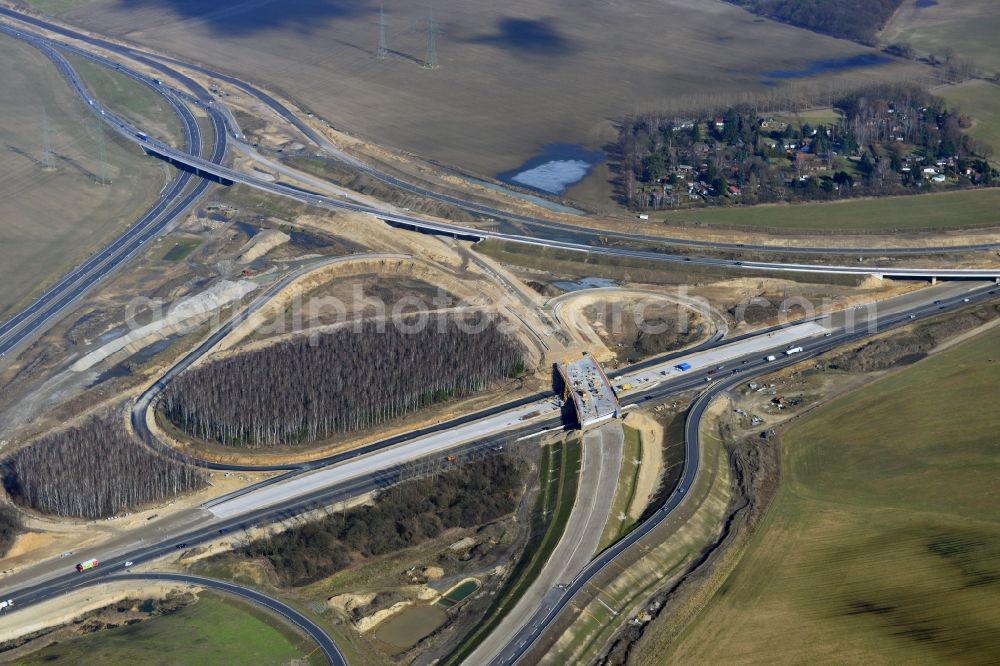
10, 527
860, 20
402, 516
347, 380
885, 139
95, 470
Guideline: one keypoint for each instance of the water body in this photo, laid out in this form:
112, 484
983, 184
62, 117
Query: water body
408, 627
831, 65
458, 593
538, 201
558, 166
584, 283
248, 229
924, 4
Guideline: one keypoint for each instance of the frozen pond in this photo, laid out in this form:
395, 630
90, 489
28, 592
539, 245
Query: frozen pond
558, 166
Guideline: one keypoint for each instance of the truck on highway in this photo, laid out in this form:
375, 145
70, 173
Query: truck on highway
683, 367
770, 357
793, 350
88, 564
4, 605
142, 135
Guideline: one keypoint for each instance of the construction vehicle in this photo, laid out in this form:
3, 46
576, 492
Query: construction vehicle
88, 564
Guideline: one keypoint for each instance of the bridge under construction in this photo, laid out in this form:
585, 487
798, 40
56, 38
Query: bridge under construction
585, 383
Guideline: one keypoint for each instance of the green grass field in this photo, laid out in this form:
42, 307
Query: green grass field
827, 116
136, 103
883, 544
619, 522
981, 100
968, 28
922, 212
180, 249
215, 630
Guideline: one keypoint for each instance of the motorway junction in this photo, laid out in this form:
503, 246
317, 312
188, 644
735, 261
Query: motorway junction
587, 397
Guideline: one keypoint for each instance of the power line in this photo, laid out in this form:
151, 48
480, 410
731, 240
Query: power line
430, 59
103, 175
383, 51
47, 160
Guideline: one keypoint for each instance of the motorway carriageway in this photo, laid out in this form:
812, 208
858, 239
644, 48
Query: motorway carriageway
54, 301
57, 298
157, 61
55, 576
441, 442
559, 597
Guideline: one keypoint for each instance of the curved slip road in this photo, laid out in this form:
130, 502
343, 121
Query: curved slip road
329, 648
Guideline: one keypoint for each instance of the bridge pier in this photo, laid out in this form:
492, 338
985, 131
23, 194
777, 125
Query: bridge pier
934, 280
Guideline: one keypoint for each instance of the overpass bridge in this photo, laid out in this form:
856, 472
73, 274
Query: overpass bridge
226, 175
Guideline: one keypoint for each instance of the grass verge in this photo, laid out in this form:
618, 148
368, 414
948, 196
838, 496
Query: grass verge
559, 475
130, 99
619, 522
583, 264
181, 249
215, 630
964, 209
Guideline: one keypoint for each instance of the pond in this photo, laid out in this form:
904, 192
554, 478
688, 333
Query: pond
558, 166
924, 4
408, 627
831, 65
458, 593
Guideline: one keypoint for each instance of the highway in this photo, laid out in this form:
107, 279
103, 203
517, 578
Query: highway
542, 227
323, 482
520, 643
386, 464
385, 467
172, 202
425, 225
58, 297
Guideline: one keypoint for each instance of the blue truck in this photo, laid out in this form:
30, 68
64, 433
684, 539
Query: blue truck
683, 367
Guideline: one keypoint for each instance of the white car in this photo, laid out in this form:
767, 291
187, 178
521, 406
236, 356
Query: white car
128, 563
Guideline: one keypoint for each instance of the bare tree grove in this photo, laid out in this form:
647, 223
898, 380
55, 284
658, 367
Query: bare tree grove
343, 381
95, 470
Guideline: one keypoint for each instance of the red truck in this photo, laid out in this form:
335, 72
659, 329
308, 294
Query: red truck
89, 564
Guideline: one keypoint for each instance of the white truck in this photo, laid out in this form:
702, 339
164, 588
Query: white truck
793, 350
770, 357
4, 605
